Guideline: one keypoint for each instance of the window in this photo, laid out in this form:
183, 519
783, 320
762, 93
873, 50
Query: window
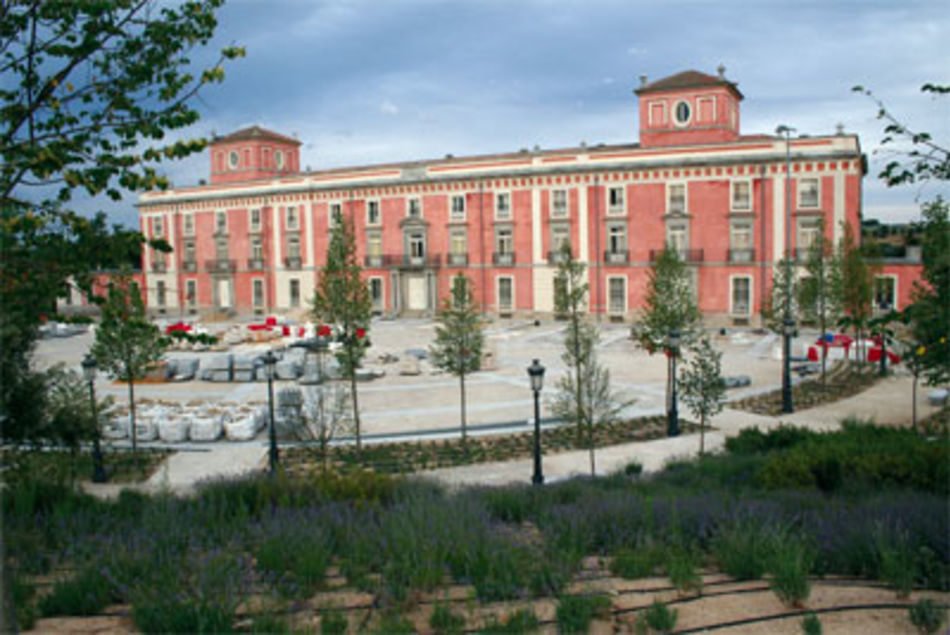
221, 222
374, 245
293, 247
885, 293
295, 293
503, 241
257, 248
336, 214
279, 159
372, 213
191, 292
503, 206
160, 293
616, 295
158, 226
808, 193
221, 248
682, 112
617, 239
741, 195
258, 293
457, 243
740, 242
741, 295
809, 230
676, 198
417, 245
292, 219
560, 235
458, 207
559, 203
676, 238
414, 208
376, 293
189, 225
255, 220
233, 159
189, 254
615, 200
505, 293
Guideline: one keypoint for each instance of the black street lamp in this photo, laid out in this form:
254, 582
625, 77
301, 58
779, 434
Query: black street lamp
89, 373
536, 373
270, 361
885, 307
789, 325
788, 329
672, 416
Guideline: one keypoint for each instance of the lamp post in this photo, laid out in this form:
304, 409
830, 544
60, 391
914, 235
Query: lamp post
672, 415
89, 373
270, 361
536, 373
787, 331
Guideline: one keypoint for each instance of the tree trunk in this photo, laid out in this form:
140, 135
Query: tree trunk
702, 435
132, 413
356, 416
462, 390
914, 419
578, 397
590, 447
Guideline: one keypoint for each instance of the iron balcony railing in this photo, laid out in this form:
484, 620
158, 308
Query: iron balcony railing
505, 259
742, 255
616, 256
220, 266
686, 255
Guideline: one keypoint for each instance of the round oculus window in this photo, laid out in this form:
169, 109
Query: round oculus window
279, 159
233, 159
682, 113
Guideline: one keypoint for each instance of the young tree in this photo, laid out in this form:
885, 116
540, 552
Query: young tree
584, 397
820, 291
782, 303
458, 338
342, 299
324, 416
857, 280
670, 305
89, 91
703, 386
127, 343
929, 313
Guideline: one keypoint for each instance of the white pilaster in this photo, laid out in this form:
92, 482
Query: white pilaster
311, 215
583, 254
838, 212
778, 217
536, 229
276, 261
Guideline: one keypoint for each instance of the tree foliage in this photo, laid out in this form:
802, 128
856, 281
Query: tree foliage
342, 299
703, 386
857, 279
670, 303
458, 338
820, 291
127, 343
782, 302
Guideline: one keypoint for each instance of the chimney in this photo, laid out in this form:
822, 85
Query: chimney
643, 81
839, 129
722, 71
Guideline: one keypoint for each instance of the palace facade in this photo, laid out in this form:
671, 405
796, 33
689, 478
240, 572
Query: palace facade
254, 238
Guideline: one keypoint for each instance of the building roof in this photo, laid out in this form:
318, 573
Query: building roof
688, 79
254, 133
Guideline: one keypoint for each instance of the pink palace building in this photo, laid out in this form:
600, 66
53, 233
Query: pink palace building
253, 240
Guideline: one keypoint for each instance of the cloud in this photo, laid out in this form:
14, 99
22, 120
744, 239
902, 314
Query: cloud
388, 108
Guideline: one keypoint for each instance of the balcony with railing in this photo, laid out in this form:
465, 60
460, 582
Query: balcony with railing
189, 266
745, 254
373, 260
556, 257
616, 256
159, 266
220, 266
293, 262
503, 259
686, 255
255, 264
457, 260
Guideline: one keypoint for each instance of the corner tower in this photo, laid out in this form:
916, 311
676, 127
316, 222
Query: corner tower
688, 108
253, 153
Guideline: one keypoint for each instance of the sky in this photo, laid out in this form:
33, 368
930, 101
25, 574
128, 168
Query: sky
363, 82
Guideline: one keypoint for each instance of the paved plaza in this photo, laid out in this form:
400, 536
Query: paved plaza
402, 406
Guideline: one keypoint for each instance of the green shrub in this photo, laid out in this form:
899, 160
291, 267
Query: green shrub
173, 616
520, 621
811, 625
754, 441
298, 561
443, 620
333, 623
575, 612
658, 617
511, 504
682, 565
743, 549
898, 561
927, 616
641, 562
633, 468
86, 594
395, 624
270, 625
791, 564
22, 595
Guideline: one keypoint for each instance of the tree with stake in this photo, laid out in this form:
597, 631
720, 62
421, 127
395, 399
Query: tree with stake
703, 386
820, 291
127, 344
785, 293
459, 339
584, 397
670, 306
342, 299
857, 279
